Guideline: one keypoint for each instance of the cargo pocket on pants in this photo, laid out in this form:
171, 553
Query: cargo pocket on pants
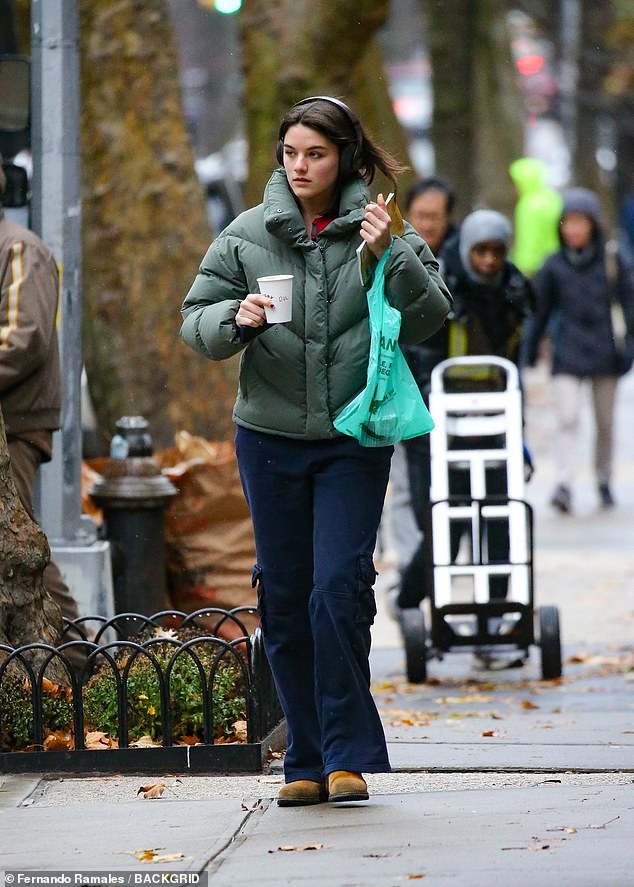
366, 603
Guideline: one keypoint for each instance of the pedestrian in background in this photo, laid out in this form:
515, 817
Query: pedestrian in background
536, 216
576, 291
429, 208
315, 495
30, 385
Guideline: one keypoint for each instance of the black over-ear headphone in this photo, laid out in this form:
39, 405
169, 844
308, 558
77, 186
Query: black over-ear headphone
351, 155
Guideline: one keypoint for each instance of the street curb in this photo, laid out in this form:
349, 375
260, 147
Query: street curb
14, 790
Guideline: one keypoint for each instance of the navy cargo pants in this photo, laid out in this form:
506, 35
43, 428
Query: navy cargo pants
316, 507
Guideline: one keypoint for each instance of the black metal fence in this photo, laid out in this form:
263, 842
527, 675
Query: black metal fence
182, 692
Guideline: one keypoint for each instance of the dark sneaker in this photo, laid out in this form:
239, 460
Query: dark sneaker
561, 499
606, 497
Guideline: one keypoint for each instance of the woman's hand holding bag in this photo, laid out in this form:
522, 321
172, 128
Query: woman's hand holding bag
390, 408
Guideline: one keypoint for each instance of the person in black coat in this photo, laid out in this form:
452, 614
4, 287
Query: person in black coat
492, 300
577, 292
429, 207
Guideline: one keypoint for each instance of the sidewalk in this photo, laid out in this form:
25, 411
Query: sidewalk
500, 778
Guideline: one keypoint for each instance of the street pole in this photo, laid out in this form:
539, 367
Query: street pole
570, 35
56, 217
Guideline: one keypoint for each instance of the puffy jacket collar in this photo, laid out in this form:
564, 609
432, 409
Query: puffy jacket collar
283, 219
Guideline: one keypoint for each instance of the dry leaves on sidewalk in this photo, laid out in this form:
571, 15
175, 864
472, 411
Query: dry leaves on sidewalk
300, 847
459, 700
152, 791
59, 740
153, 856
96, 739
145, 742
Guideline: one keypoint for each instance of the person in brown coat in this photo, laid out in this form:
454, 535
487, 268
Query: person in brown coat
30, 383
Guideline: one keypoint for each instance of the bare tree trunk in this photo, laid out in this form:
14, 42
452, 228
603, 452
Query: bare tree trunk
477, 127
374, 105
449, 33
294, 48
592, 105
145, 227
27, 613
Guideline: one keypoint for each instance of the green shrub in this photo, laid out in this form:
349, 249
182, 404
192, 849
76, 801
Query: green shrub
17, 710
186, 699
143, 695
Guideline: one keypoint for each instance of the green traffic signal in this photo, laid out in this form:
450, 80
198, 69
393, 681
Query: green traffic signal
227, 7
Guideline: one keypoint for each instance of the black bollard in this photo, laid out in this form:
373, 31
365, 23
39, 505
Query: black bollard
133, 495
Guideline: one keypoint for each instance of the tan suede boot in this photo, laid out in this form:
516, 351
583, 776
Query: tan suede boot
301, 793
346, 786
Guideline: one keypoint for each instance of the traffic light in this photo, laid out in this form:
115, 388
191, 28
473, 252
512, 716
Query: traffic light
226, 7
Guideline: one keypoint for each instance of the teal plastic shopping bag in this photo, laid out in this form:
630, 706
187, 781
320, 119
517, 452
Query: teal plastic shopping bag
390, 407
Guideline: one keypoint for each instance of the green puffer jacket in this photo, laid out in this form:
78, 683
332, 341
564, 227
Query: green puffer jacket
296, 377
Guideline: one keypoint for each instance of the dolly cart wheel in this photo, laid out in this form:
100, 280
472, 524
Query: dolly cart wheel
415, 642
550, 642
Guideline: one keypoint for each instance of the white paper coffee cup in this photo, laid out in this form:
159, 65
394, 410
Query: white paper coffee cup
279, 287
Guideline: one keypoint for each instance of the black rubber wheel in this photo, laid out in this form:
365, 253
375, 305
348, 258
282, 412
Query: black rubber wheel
415, 642
550, 642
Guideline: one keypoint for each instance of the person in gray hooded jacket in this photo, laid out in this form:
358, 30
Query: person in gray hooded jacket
577, 290
315, 496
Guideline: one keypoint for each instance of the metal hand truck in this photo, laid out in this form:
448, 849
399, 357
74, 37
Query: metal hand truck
481, 598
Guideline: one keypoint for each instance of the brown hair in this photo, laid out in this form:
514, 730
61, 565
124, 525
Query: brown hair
359, 155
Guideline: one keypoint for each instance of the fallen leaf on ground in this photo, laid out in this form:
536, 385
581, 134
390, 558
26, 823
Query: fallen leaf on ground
286, 848
240, 729
494, 733
165, 633
457, 715
527, 704
51, 689
458, 700
58, 740
152, 791
96, 739
153, 856
397, 717
145, 742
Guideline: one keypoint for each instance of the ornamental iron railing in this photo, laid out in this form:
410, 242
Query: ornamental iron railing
193, 691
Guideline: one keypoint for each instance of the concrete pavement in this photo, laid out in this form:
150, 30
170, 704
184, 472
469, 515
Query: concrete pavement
500, 777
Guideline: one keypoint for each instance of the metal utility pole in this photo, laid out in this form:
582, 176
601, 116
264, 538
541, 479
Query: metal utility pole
570, 37
56, 217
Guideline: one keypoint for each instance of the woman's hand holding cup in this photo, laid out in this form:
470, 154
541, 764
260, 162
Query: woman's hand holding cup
251, 310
